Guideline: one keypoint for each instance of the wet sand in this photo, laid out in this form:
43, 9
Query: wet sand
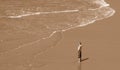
100, 41
59, 52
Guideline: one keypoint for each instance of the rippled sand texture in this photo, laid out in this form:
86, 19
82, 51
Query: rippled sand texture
28, 28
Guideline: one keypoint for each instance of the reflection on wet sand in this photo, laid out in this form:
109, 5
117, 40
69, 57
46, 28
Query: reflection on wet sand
80, 66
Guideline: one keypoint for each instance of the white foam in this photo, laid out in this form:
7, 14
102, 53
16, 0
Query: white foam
38, 13
50, 35
102, 5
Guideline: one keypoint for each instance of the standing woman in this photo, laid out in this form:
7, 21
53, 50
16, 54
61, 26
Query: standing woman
80, 53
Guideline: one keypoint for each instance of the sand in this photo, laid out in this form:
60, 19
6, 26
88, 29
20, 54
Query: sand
33, 46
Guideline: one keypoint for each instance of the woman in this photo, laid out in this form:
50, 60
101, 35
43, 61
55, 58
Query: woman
80, 52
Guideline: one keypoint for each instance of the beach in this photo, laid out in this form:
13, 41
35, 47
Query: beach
50, 41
